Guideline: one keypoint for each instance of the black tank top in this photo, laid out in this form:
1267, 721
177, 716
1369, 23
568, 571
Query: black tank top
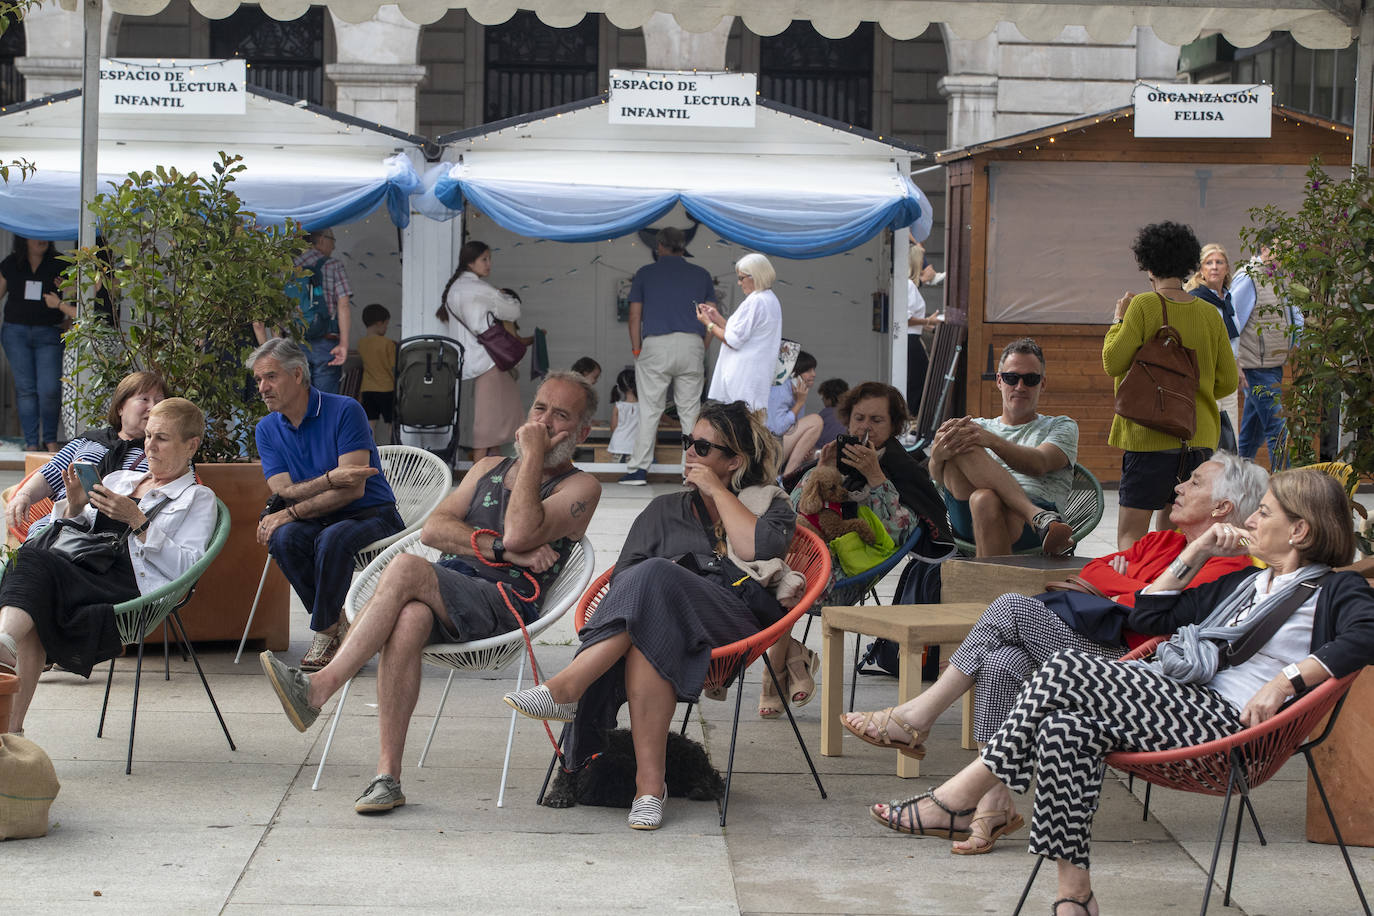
488, 510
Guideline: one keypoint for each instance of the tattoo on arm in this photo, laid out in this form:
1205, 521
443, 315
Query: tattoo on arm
578, 508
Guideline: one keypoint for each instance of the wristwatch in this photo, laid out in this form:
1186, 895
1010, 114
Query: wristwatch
1294, 675
498, 552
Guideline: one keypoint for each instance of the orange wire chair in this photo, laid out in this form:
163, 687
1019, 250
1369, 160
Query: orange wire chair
808, 555
38, 509
1239, 763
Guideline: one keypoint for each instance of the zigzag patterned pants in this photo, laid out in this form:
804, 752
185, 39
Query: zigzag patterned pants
1074, 711
1014, 636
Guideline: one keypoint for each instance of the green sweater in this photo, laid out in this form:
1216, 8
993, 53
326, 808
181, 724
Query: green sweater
1201, 327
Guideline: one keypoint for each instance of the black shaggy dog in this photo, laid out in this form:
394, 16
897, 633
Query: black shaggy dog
609, 780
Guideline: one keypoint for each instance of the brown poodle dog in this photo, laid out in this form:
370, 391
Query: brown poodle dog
825, 506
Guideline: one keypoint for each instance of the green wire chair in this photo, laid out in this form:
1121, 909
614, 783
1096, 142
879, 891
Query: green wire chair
1082, 512
137, 618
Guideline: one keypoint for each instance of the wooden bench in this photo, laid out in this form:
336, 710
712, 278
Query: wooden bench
912, 627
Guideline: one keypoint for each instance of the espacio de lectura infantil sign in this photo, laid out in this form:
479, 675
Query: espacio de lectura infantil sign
689, 98
149, 86
1203, 110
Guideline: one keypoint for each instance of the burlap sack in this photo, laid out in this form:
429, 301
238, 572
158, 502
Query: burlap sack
28, 785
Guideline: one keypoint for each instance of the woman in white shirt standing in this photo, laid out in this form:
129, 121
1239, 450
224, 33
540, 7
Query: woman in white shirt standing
476, 304
750, 339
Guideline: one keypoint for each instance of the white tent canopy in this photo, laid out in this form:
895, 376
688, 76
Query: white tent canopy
301, 163
1314, 23
791, 186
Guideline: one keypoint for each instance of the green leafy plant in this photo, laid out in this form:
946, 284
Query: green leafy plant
11, 11
191, 271
1324, 265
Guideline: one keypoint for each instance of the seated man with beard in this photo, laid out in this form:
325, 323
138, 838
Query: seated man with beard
538, 502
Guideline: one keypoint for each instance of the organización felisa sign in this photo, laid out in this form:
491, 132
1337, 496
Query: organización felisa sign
1203, 110
147, 86
686, 98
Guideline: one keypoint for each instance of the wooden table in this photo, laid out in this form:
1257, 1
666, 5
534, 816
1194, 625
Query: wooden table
912, 627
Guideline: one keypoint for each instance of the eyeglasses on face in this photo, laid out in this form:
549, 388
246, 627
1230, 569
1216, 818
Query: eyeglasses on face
742, 277
1030, 378
703, 446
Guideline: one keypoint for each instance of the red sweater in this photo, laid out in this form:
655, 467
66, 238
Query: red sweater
1146, 559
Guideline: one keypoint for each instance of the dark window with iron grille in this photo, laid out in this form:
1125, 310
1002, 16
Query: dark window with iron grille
531, 66
286, 57
1320, 82
11, 81
831, 77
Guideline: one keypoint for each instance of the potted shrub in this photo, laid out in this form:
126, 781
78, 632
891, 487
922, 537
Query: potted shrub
191, 270
1324, 264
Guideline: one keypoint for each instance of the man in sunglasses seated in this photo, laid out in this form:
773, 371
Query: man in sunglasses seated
530, 510
1005, 477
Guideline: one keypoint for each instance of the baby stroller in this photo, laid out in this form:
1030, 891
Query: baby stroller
428, 370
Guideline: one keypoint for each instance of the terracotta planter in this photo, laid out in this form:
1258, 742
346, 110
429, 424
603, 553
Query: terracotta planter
9, 686
219, 609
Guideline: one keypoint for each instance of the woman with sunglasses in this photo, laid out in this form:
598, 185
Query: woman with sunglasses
749, 341
651, 637
1155, 462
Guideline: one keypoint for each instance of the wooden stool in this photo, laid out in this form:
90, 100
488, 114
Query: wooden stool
912, 627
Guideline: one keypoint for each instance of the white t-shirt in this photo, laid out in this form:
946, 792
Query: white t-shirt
749, 354
1291, 643
1061, 432
470, 298
915, 307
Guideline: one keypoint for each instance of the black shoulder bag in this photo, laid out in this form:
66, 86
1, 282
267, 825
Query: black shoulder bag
722, 571
95, 551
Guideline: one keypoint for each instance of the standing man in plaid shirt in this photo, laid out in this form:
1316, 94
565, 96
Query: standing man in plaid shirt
328, 351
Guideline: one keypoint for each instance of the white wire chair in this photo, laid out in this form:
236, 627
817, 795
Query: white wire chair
491, 654
419, 479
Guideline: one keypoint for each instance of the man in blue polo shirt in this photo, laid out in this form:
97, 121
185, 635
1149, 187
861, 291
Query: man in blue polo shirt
667, 344
319, 458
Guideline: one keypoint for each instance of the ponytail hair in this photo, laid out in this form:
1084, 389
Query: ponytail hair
471, 251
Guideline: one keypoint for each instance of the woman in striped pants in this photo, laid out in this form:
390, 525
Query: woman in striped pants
1077, 708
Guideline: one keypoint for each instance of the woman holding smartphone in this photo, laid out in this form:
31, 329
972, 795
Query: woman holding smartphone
880, 475
749, 341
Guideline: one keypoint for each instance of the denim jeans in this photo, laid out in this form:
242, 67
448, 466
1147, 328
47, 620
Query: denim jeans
35, 356
1262, 418
316, 556
322, 375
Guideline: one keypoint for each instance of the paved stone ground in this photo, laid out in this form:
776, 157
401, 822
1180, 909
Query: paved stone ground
198, 828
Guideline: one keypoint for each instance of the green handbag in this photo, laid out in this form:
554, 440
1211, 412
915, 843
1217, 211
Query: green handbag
854, 555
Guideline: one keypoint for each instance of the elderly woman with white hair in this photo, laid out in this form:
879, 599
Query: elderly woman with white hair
749, 340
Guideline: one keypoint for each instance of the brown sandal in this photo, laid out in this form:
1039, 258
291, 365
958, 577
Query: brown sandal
802, 666
892, 818
987, 837
914, 748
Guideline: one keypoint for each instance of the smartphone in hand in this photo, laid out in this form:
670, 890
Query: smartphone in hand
88, 476
841, 441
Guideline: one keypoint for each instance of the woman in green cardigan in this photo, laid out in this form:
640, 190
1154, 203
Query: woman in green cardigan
1155, 462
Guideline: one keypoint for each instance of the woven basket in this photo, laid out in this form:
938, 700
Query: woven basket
28, 785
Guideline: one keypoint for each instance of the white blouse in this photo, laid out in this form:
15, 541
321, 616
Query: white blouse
176, 537
469, 300
749, 353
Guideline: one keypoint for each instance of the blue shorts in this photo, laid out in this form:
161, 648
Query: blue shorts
961, 521
1148, 478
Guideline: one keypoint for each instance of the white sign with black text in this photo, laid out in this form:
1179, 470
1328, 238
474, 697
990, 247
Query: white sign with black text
1203, 110
146, 86
684, 97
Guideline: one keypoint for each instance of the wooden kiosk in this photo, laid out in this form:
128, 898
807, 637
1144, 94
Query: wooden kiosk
1039, 232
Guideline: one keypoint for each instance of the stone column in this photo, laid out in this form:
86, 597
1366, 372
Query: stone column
53, 46
972, 107
668, 46
377, 73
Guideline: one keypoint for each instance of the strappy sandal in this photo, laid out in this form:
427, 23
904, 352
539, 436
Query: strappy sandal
1081, 904
987, 837
892, 818
914, 748
802, 665
770, 704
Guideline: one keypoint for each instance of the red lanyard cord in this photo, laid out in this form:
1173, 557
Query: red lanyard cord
506, 591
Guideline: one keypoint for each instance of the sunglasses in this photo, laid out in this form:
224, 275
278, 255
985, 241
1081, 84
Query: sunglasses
1030, 378
703, 447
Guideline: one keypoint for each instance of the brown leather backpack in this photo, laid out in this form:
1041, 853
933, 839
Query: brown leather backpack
1159, 388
